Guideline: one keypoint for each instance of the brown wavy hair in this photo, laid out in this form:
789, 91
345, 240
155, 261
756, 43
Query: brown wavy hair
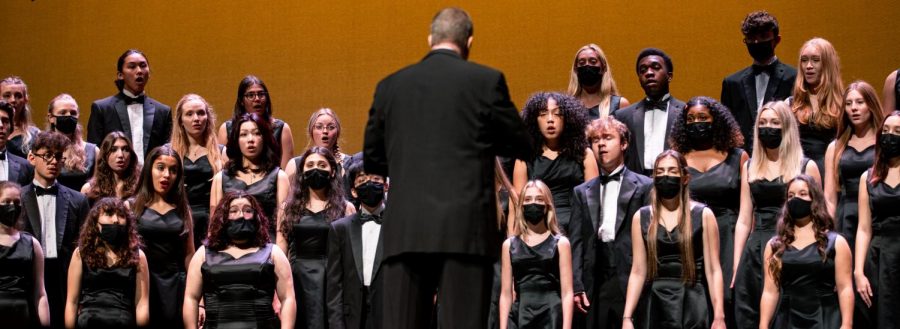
217, 239
175, 196
881, 165
684, 222
784, 235
845, 128
299, 196
103, 184
94, 250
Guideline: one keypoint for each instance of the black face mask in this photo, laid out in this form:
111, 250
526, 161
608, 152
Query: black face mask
700, 135
370, 193
589, 75
9, 214
65, 124
113, 234
241, 229
799, 208
770, 137
534, 213
667, 187
890, 145
761, 52
316, 178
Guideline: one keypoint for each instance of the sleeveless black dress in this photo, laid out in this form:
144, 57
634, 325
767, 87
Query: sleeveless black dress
535, 272
852, 164
107, 298
808, 299
561, 175
814, 141
883, 258
897, 92
666, 301
16, 145
164, 246
17, 304
593, 113
76, 179
238, 292
265, 191
197, 184
308, 250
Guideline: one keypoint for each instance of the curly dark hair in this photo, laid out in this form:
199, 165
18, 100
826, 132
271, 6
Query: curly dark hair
103, 184
11, 113
298, 197
93, 249
50, 141
572, 141
270, 156
759, 22
175, 196
218, 237
726, 134
784, 234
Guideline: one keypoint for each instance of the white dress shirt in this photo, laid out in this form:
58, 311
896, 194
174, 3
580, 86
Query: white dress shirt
655, 132
4, 168
762, 82
136, 118
47, 210
609, 206
370, 233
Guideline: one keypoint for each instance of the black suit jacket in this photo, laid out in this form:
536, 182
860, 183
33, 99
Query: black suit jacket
739, 95
633, 117
435, 128
71, 209
111, 114
634, 193
347, 295
20, 171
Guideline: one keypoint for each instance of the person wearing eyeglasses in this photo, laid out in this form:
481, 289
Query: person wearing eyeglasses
53, 214
768, 79
323, 130
12, 167
253, 97
144, 120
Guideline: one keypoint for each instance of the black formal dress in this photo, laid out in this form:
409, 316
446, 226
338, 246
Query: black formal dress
18, 146
739, 94
561, 175
111, 114
897, 92
277, 128
238, 292
265, 191
17, 304
308, 251
667, 302
76, 179
814, 141
883, 258
593, 113
536, 276
808, 298
851, 166
107, 298
164, 245
197, 184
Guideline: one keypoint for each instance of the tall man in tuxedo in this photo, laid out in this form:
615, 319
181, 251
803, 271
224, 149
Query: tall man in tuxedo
12, 167
54, 214
651, 119
147, 122
768, 79
435, 128
602, 209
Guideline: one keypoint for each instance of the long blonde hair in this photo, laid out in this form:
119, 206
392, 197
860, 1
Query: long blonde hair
790, 151
180, 141
550, 219
607, 84
75, 155
684, 222
829, 91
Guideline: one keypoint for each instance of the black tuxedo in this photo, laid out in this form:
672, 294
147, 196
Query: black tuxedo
111, 114
633, 117
435, 128
739, 95
71, 209
589, 253
349, 300
20, 171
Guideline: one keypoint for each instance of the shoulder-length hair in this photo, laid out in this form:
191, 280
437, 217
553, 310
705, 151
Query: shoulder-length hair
245, 84
270, 156
607, 83
19, 224
21, 119
784, 235
103, 184
828, 91
74, 154
217, 236
145, 194
93, 249
726, 134
685, 227
208, 139
335, 148
549, 219
882, 163
299, 197
572, 141
789, 152
845, 128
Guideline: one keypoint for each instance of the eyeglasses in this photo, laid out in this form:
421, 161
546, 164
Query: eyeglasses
325, 128
49, 157
260, 95
246, 213
753, 42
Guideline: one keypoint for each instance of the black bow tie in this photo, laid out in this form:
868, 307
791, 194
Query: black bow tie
134, 100
3, 155
757, 69
607, 178
52, 190
661, 104
369, 217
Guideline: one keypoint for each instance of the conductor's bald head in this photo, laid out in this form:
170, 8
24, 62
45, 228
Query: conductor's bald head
451, 29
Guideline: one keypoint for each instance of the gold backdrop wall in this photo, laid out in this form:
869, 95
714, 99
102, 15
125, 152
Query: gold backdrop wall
316, 54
